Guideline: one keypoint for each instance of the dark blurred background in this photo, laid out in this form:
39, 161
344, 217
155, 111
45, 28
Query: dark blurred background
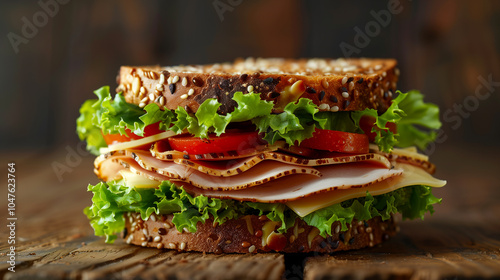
55, 53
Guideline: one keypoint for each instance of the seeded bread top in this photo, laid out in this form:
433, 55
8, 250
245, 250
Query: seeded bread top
332, 84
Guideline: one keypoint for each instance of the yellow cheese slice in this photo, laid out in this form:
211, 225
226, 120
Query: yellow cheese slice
411, 176
137, 143
137, 181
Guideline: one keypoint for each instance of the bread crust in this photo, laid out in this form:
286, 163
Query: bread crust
333, 85
252, 234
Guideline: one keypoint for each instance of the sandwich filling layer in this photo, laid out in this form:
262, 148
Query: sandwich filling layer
300, 163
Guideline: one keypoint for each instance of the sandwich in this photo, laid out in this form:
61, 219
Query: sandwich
259, 155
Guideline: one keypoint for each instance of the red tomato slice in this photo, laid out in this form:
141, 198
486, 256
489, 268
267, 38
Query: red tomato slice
149, 130
366, 123
229, 141
337, 141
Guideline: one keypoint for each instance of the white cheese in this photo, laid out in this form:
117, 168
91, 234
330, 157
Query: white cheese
137, 143
411, 176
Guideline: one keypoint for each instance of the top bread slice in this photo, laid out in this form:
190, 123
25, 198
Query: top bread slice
332, 84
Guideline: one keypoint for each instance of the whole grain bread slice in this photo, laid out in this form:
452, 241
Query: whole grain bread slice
253, 234
332, 84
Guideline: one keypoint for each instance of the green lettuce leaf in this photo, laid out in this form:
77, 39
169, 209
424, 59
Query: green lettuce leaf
111, 200
207, 120
113, 116
410, 114
296, 123
418, 115
416, 120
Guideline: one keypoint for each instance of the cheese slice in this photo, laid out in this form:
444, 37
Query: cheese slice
411, 176
137, 143
138, 181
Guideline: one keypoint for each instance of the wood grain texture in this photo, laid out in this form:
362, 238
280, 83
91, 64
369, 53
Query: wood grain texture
54, 241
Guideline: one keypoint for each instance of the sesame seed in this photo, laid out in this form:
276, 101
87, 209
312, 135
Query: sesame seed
351, 85
268, 80
142, 105
169, 80
251, 249
159, 87
310, 90
184, 81
384, 74
157, 239
345, 94
153, 217
175, 79
335, 109
162, 101
371, 244
190, 91
171, 87
144, 100
324, 106
360, 81
325, 83
184, 96
250, 88
344, 80
143, 90
396, 71
378, 67
129, 239
172, 245
371, 236
144, 244
337, 229
152, 97
333, 98
143, 238
159, 246
167, 225
182, 246
162, 79
321, 95
368, 229
145, 231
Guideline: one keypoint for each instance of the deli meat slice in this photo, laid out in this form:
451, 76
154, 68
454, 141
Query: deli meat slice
107, 166
237, 166
341, 176
260, 174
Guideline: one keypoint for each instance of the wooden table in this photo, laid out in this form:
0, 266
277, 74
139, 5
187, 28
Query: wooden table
54, 240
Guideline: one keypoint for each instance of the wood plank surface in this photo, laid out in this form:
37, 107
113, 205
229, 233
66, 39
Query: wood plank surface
54, 240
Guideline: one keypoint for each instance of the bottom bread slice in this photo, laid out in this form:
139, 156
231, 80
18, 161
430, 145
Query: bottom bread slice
252, 234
